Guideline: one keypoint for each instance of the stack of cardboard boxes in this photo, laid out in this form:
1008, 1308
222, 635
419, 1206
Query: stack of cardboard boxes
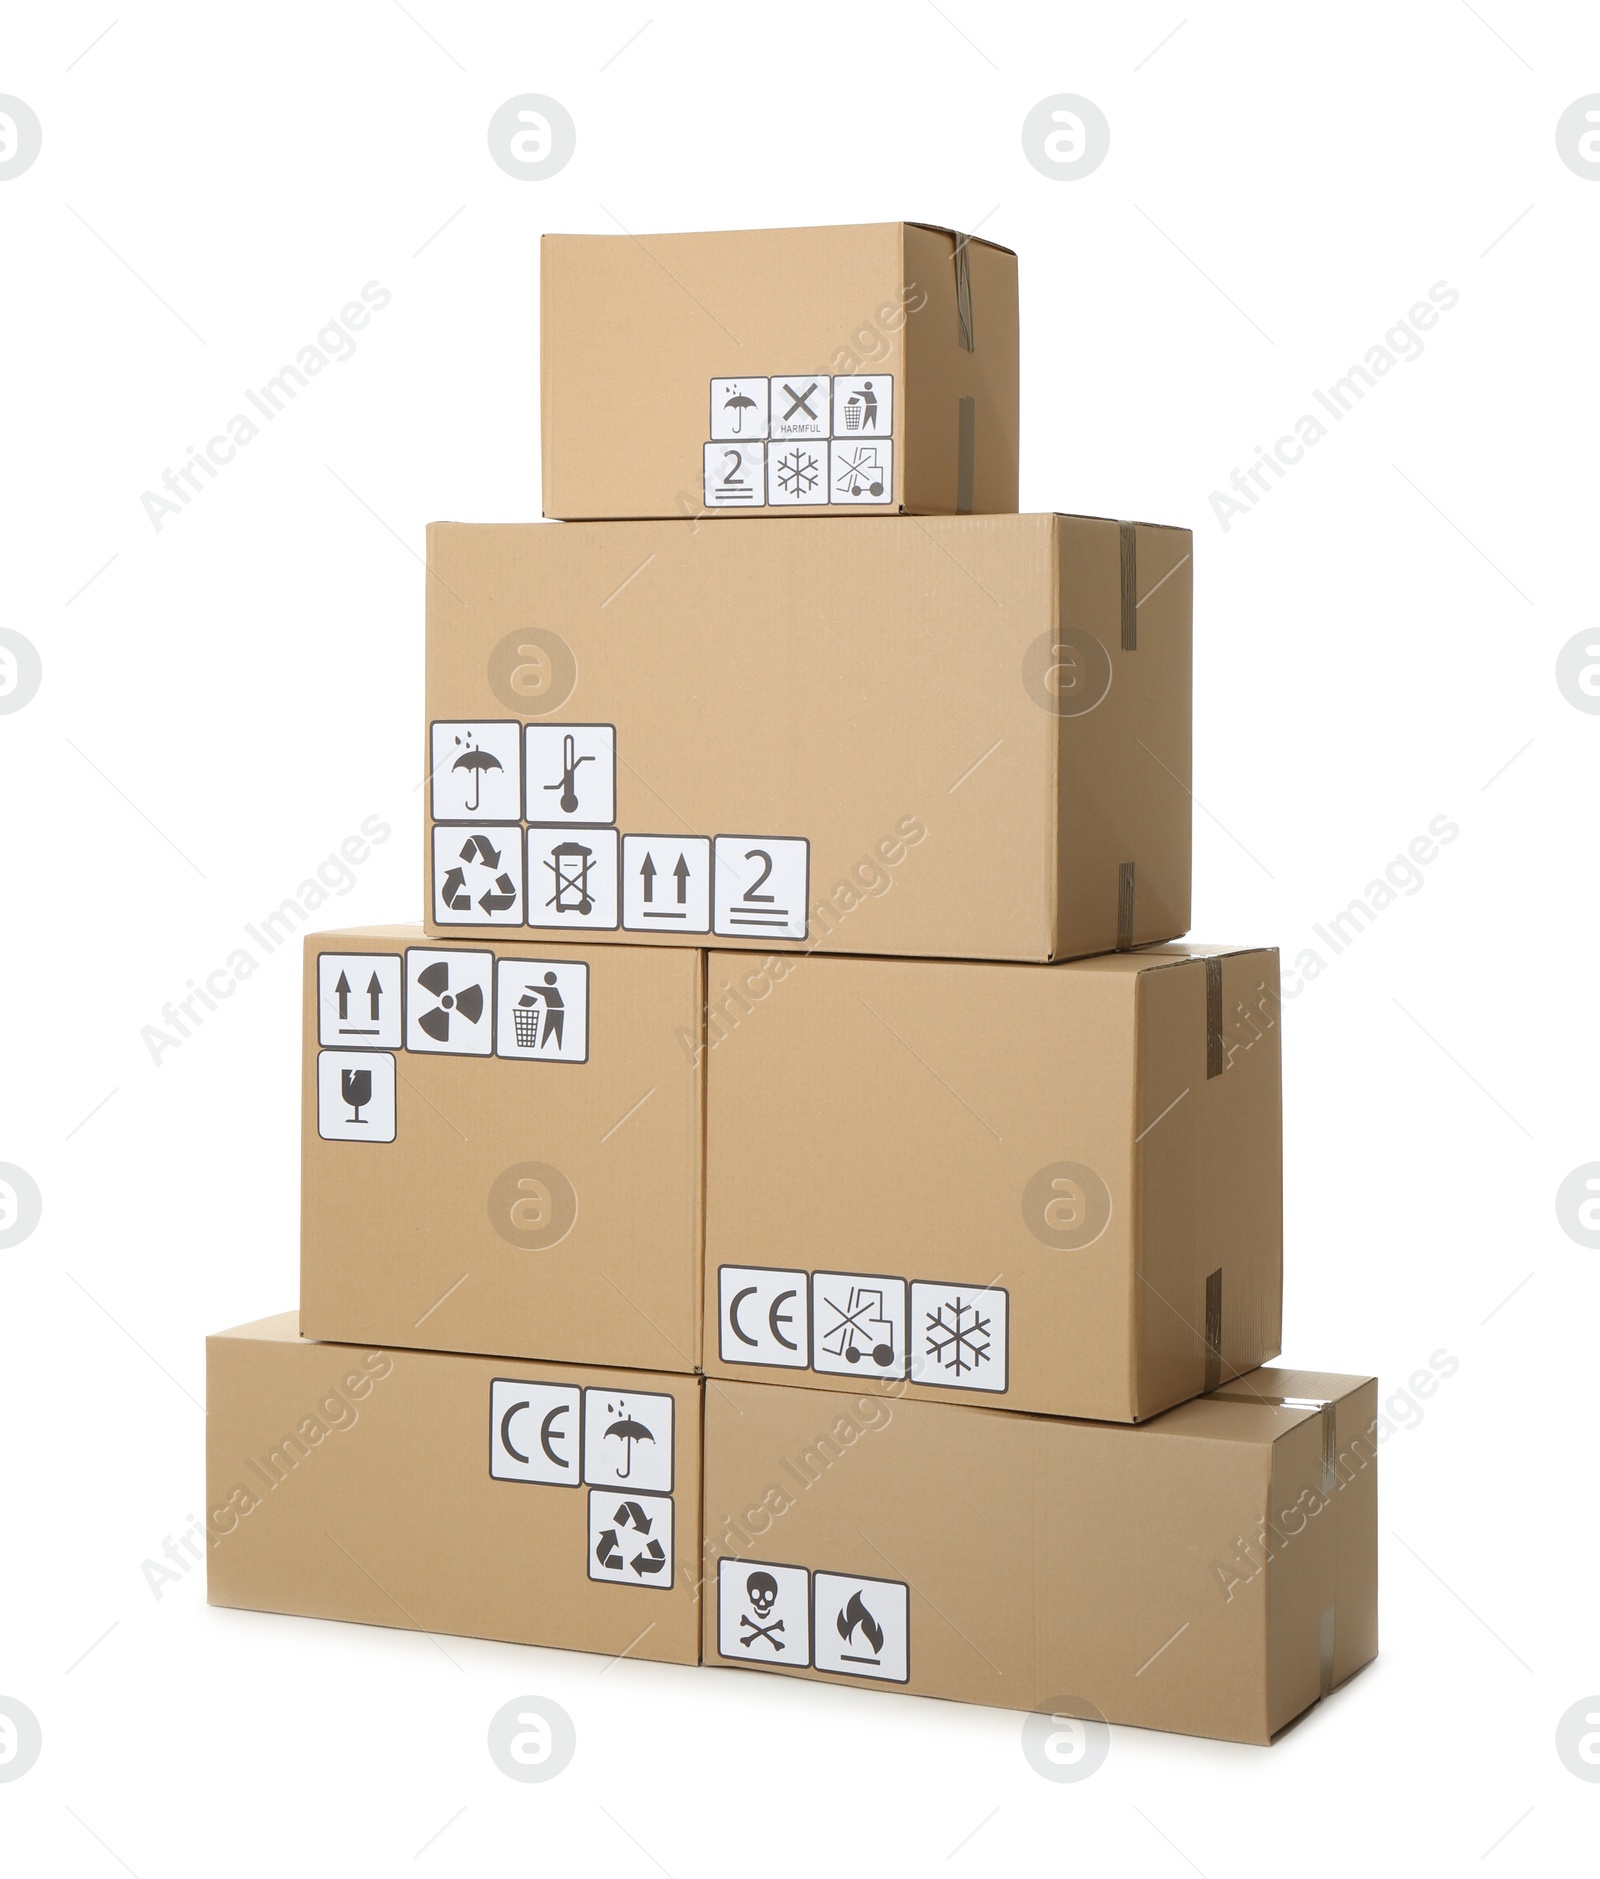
798, 1204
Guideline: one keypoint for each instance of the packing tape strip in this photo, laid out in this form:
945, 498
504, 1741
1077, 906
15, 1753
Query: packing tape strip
1216, 1062
1325, 1650
1213, 1330
1325, 1406
966, 441
964, 293
1124, 905
1128, 542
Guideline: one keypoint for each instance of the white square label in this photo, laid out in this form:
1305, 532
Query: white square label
959, 1336
355, 1096
630, 1538
763, 1613
760, 886
572, 878
450, 1002
572, 774
763, 1317
860, 1627
475, 772
738, 408
797, 474
358, 1000
858, 1324
800, 403
542, 1010
535, 1432
666, 883
864, 406
627, 1440
736, 476
861, 473
477, 876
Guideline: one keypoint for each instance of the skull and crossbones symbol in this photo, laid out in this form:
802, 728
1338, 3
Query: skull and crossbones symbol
762, 1591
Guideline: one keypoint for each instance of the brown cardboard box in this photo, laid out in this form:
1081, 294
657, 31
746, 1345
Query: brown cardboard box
453, 1494
1047, 1188
1213, 1571
962, 738
521, 1176
855, 370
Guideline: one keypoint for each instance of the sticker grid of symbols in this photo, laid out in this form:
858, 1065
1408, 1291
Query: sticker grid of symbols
617, 1444
858, 1324
565, 866
437, 1001
800, 440
841, 1622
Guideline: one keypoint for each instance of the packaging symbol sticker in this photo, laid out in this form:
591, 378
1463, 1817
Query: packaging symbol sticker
797, 473
572, 878
477, 875
355, 1096
572, 774
959, 1336
535, 1432
666, 883
763, 1613
800, 404
542, 1010
475, 771
450, 1002
863, 407
759, 886
627, 1440
358, 1000
858, 1324
861, 1627
739, 408
735, 476
763, 1316
630, 1538
861, 472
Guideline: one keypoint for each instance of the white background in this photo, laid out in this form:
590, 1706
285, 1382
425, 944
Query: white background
226, 699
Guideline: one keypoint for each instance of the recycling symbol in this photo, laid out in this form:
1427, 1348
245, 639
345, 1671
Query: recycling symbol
479, 881
611, 1549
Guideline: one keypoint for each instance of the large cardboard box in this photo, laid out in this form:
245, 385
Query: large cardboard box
469, 1495
1213, 1571
963, 738
502, 1147
851, 370
1046, 1188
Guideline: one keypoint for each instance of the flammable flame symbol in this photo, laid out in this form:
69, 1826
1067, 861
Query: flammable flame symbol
856, 1613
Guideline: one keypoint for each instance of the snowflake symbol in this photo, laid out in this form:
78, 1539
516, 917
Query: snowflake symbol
958, 1336
797, 472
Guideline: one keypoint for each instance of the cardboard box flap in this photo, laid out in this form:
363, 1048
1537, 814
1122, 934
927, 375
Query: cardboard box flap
955, 234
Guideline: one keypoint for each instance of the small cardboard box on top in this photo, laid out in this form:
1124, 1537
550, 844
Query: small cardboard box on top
958, 738
502, 1147
1214, 1571
478, 1496
862, 370
1055, 1189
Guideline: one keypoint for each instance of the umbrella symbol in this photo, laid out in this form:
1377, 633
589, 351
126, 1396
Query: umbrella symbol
740, 404
477, 761
628, 1430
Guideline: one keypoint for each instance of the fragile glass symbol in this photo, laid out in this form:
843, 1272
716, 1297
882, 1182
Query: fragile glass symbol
355, 1086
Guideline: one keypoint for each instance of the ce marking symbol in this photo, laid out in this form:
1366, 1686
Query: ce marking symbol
775, 1316
548, 1433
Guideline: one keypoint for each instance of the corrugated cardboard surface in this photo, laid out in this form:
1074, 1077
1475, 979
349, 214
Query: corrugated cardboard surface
346, 1482
889, 693
893, 1117
634, 329
402, 1242
1052, 1560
